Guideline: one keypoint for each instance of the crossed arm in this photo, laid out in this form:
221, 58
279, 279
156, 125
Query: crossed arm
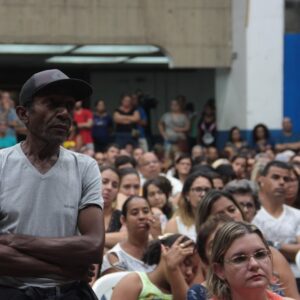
123, 119
290, 250
70, 257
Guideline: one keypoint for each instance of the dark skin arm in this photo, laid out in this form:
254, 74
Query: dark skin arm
80, 251
14, 263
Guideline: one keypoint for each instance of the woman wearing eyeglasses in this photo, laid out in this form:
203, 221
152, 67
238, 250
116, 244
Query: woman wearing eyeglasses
245, 193
241, 264
223, 203
194, 189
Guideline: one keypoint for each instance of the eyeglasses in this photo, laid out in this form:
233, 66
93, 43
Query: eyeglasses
200, 189
244, 259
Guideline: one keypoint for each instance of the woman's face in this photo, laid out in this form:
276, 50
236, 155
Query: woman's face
218, 184
247, 265
236, 135
189, 268
247, 204
175, 107
138, 215
239, 167
156, 196
199, 188
184, 166
130, 185
127, 102
110, 186
225, 206
260, 132
100, 106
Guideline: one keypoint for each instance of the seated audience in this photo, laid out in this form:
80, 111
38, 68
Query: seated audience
292, 197
150, 167
239, 165
129, 185
261, 139
216, 202
111, 152
125, 162
157, 191
140, 223
241, 264
175, 270
183, 166
235, 140
112, 216
194, 189
245, 193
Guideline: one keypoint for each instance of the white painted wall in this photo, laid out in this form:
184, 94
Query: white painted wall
265, 36
252, 90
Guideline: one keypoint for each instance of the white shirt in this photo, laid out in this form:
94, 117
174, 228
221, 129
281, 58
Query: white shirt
283, 229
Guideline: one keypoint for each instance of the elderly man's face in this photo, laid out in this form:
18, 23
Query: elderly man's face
50, 117
150, 166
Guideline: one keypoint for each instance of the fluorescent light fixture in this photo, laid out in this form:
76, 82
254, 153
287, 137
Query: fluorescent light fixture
86, 59
34, 49
148, 60
116, 49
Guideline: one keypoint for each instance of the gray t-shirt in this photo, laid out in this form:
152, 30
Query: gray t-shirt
45, 205
171, 122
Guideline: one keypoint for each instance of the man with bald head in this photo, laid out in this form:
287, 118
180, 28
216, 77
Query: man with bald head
287, 139
150, 167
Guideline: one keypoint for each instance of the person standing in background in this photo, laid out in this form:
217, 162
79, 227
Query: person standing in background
126, 118
84, 120
173, 127
102, 127
207, 127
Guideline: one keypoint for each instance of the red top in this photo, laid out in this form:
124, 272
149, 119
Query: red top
82, 116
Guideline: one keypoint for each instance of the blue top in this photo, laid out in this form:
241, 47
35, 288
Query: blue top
101, 127
7, 141
283, 139
197, 292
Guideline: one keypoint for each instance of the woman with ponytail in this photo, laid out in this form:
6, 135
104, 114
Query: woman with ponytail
176, 268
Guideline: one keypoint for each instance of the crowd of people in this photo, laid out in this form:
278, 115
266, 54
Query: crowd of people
187, 220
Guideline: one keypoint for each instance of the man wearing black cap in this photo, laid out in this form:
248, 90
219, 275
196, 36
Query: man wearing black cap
51, 222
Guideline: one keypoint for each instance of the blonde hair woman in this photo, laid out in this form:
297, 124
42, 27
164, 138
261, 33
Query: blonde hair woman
241, 264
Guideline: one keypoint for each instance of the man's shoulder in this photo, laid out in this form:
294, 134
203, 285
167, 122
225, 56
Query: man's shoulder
292, 210
78, 157
260, 215
7, 151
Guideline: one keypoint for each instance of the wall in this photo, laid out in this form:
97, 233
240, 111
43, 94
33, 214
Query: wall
292, 79
251, 91
194, 33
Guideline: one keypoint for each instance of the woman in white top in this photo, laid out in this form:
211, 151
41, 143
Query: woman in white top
194, 189
140, 223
